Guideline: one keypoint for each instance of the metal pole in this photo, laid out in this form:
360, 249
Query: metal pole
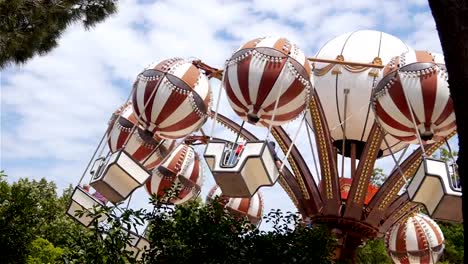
343, 146
350, 63
231, 158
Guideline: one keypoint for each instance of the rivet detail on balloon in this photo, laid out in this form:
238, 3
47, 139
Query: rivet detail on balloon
403, 59
166, 66
305, 82
176, 65
195, 107
189, 159
142, 142
240, 58
264, 57
141, 77
176, 89
156, 172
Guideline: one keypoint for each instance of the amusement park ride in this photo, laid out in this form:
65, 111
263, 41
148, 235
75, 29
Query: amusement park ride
364, 96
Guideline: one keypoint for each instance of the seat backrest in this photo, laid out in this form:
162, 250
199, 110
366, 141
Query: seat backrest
221, 157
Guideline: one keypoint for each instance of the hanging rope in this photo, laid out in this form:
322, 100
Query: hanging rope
234, 148
292, 145
216, 112
349, 117
104, 138
92, 158
285, 129
143, 111
312, 149
274, 112
403, 154
397, 164
153, 151
128, 202
414, 121
343, 145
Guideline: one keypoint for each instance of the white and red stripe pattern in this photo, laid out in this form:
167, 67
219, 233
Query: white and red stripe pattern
418, 239
172, 98
182, 166
252, 208
261, 70
141, 145
421, 78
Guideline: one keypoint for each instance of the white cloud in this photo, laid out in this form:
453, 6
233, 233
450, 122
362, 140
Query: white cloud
55, 108
425, 37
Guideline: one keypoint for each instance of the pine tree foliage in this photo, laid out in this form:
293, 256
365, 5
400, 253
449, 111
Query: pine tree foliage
33, 27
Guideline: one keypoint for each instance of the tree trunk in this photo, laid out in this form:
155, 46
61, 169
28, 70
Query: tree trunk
346, 250
451, 18
349, 250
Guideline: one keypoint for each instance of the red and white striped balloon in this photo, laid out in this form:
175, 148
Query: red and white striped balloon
252, 208
141, 145
261, 70
182, 166
420, 79
418, 239
172, 98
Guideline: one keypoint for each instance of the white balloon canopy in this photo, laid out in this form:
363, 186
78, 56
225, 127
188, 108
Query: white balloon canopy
340, 86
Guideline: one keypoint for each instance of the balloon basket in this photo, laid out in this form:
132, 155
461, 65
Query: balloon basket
244, 174
432, 186
119, 177
81, 200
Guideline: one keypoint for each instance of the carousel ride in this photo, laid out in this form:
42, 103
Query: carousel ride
364, 97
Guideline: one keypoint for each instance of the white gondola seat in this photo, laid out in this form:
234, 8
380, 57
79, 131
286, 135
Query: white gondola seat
242, 175
81, 200
137, 245
119, 177
432, 186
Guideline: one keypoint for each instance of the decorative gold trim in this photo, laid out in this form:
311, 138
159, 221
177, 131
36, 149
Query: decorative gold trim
293, 164
288, 190
324, 159
339, 63
374, 72
368, 165
403, 211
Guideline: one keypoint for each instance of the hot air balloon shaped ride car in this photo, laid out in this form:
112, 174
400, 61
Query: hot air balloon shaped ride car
267, 83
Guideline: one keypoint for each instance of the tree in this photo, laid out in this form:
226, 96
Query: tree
30, 210
31, 27
373, 252
197, 233
452, 25
35, 229
378, 177
42, 251
106, 243
454, 244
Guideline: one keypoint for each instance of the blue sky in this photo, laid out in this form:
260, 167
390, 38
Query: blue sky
55, 108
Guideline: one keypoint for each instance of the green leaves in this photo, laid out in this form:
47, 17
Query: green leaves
42, 251
30, 210
454, 242
378, 177
196, 233
373, 252
28, 28
35, 229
